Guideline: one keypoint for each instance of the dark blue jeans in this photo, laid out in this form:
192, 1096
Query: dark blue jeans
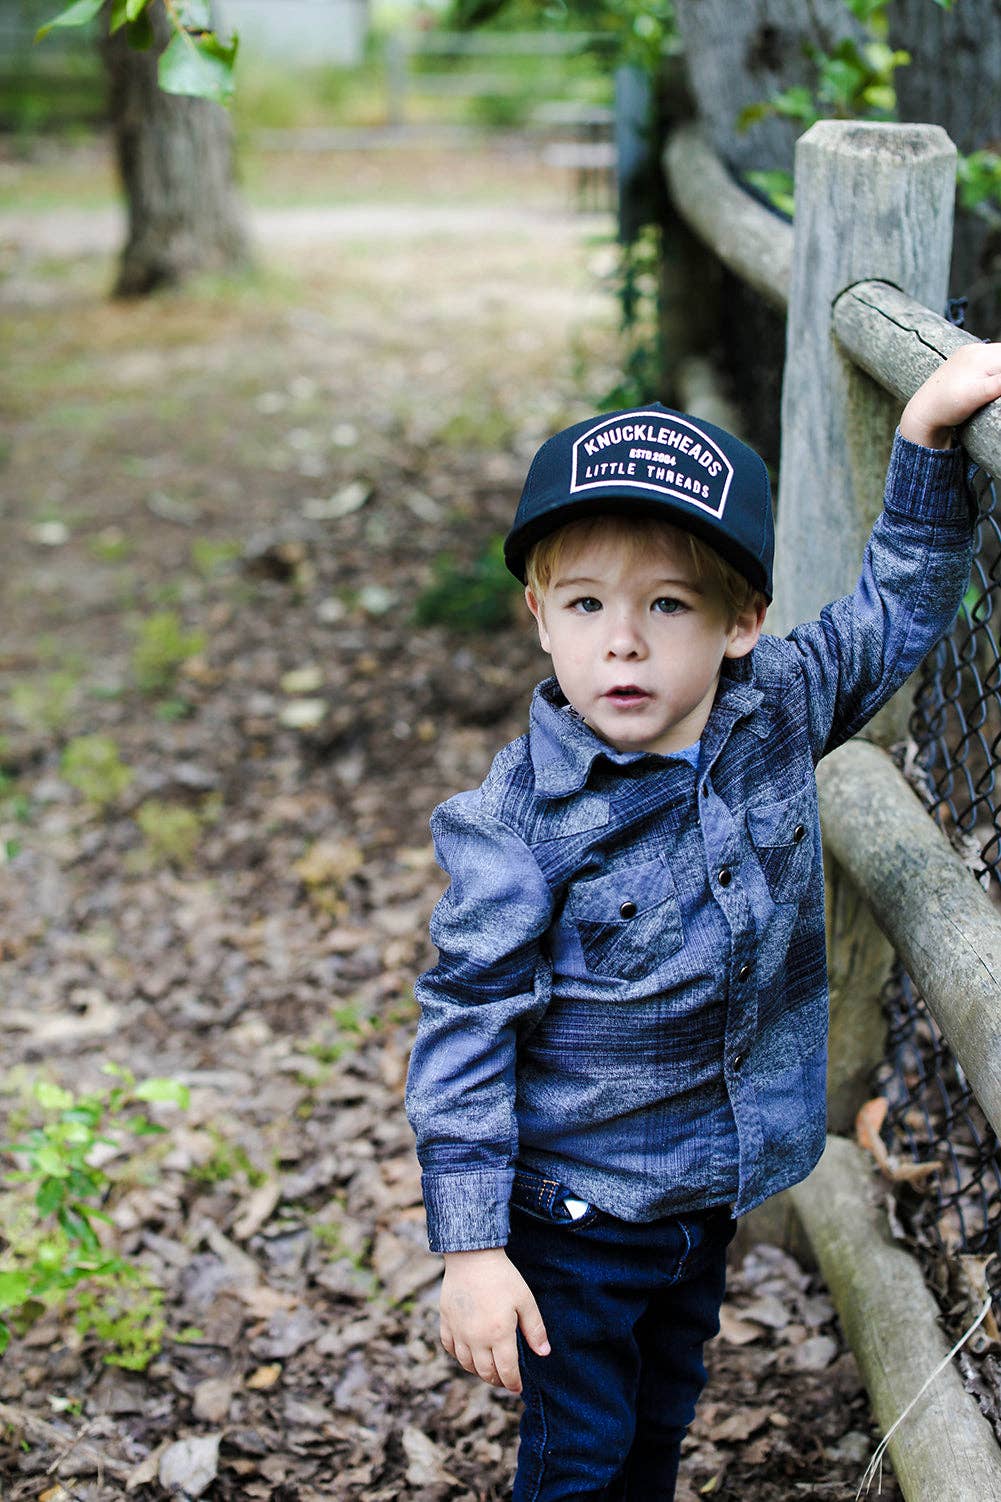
628, 1308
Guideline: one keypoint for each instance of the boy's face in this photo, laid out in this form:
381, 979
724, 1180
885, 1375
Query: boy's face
637, 639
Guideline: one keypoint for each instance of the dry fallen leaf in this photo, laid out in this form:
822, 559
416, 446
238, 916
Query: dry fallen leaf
868, 1126
736, 1331
264, 1378
256, 1209
740, 1424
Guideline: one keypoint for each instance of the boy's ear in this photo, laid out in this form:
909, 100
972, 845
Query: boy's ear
535, 606
746, 629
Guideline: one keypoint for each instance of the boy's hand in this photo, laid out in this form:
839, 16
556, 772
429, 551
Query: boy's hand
484, 1299
967, 380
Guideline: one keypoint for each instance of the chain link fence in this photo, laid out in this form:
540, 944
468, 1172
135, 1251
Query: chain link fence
952, 1216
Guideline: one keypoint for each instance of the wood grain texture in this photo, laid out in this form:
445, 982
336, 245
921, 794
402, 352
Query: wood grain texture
900, 343
872, 202
942, 924
945, 1449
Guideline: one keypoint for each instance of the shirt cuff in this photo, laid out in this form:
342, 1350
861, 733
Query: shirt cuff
931, 485
469, 1210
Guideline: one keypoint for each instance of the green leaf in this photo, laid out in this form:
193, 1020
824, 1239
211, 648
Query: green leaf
140, 33
77, 14
49, 1160
164, 1089
198, 65
135, 8
4, 1337
52, 1097
777, 187
119, 15
751, 114
76, 1225
880, 96
13, 1289
50, 1196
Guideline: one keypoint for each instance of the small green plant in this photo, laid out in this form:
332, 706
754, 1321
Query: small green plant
126, 1315
857, 81
111, 546
52, 1250
469, 598
45, 703
635, 284
162, 646
227, 1161
211, 555
15, 807
980, 183
92, 765
171, 832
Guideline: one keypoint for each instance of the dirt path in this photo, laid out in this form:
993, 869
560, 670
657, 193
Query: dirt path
278, 467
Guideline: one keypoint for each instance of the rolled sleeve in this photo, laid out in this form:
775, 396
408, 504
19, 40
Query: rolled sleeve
491, 981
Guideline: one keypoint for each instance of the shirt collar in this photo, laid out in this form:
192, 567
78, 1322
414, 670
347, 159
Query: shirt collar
563, 748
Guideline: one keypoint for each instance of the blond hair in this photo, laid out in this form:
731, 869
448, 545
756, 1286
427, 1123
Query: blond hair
640, 534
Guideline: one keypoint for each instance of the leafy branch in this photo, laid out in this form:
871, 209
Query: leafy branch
195, 61
857, 81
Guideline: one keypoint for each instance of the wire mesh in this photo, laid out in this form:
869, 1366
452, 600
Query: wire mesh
953, 1215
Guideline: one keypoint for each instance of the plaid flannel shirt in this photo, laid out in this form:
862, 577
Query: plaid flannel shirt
631, 990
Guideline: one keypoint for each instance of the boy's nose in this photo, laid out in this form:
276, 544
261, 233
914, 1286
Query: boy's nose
625, 639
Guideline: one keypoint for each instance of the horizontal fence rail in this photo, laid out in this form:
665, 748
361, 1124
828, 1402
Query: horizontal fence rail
900, 344
751, 240
928, 903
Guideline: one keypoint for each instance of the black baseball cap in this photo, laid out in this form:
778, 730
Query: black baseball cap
651, 461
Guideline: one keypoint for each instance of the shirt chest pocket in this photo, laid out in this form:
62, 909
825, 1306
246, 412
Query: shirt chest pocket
627, 922
783, 837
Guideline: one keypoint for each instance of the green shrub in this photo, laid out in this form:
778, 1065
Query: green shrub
52, 1253
162, 646
476, 597
91, 764
171, 831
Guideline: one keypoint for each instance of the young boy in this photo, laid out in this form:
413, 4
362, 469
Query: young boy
623, 1044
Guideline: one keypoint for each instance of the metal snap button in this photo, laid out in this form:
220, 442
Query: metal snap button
739, 1060
725, 877
744, 971
627, 909
798, 833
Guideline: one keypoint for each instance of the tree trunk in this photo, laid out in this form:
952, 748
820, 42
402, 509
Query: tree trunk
953, 81
175, 157
739, 55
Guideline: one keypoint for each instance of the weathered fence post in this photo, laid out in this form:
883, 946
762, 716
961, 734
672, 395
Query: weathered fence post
872, 202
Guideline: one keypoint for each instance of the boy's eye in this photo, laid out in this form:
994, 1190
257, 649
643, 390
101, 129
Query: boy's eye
586, 604
667, 605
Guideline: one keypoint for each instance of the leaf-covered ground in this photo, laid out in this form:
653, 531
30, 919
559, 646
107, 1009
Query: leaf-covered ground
271, 471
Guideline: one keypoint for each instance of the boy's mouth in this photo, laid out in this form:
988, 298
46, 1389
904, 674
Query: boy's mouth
627, 693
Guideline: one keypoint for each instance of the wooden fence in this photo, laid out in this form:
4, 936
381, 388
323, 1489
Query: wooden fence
858, 278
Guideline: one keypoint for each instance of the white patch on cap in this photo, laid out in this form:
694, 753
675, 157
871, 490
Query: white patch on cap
653, 452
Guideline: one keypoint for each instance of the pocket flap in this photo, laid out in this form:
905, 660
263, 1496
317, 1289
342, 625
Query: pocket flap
638, 888
785, 822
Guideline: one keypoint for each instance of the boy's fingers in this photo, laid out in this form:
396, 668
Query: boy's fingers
506, 1362
485, 1367
533, 1329
464, 1357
